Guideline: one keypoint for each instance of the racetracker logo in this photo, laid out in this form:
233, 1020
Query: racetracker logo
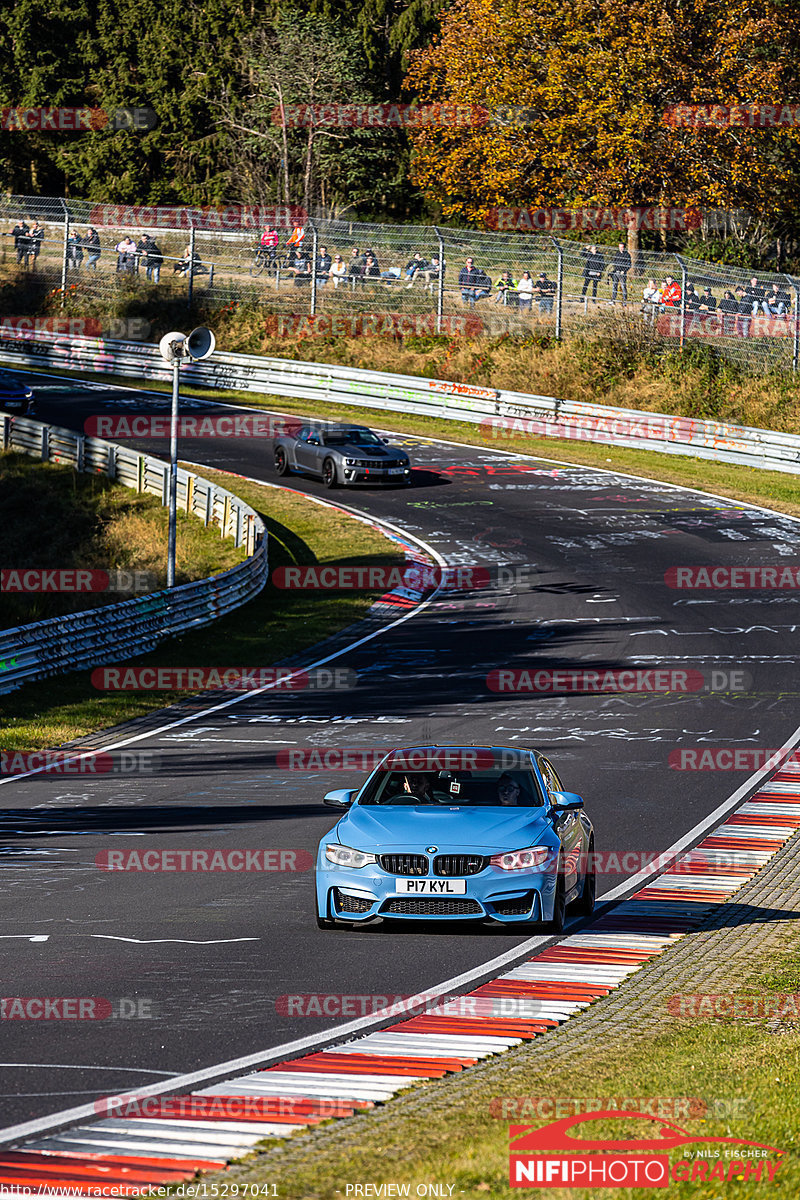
233, 679
732, 116
74, 1008
229, 218
117, 328
65, 762
417, 577
672, 1108
782, 577
329, 1004
591, 220
403, 116
210, 861
758, 1007
76, 120
727, 758
710, 325
627, 679
373, 324
75, 580
366, 758
233, 1108
245, 425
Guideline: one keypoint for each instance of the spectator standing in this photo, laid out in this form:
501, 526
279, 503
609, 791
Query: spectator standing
74, 251
323, 266
593, 268
20, 235
357, 262
525, 290
755, 294
35, 237
153, 260
296, 237
545, 289
651, 300
126, 257
467, 278
729, 307
338, 271
745, 304
506, 289
671, 293
91, 244
620, 265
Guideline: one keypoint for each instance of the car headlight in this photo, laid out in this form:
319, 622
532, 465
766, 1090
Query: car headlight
522, 860
352, 462
346, 856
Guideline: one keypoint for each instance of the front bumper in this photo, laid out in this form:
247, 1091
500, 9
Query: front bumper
370, 476
507, 897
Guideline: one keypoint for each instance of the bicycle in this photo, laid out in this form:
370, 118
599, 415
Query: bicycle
266, 259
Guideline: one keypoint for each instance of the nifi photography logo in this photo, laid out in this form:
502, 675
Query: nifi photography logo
551, 1156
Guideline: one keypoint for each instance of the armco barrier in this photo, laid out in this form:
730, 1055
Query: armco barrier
118, 631
542, 416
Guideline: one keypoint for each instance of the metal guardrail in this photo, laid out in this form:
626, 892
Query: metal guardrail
499, 411
132, 627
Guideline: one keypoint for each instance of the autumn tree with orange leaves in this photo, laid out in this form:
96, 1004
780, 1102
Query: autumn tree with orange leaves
599, 75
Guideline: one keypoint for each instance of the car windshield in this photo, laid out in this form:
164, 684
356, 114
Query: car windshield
351, 437
496, 786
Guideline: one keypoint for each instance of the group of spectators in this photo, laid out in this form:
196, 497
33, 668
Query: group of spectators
361, 267
737, 306
475, 285
27, 242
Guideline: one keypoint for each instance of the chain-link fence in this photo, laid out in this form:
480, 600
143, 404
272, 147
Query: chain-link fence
329, 276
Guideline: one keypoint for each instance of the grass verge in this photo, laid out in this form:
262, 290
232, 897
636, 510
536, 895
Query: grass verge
731, 1079
56, 517
268, 629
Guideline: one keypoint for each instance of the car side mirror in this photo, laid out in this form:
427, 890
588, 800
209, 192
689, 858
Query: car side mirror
386, 440
340, 798
565, 802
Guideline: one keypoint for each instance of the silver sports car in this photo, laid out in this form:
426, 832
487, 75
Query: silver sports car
341, 454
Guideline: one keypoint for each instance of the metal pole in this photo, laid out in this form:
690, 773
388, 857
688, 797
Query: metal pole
173, 475
559, 285
440, 288
683, 301
796, 332
314, 249
64, 255
191, 267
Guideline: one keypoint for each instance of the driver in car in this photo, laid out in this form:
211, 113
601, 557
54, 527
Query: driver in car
508, 792
419, 786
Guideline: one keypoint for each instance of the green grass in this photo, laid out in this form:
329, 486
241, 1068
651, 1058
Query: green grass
740, 1079
56, 517
268, 629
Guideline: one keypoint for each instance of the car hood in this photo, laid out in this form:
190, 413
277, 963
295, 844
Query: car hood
464, 829
354, 451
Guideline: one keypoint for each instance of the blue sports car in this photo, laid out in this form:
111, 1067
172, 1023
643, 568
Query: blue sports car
466, 832
15, 396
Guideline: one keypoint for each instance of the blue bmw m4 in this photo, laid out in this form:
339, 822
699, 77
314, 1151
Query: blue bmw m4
457, 832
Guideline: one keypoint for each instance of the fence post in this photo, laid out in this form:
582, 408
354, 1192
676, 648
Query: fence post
191, 266
683, 300
440, 281
559, 285
64, 255
796, 334
314, 251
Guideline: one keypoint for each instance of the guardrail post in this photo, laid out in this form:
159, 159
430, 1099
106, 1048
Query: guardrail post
314, 249
191, 266
6, 432
209, 504
440, 288
64, 250
80, 450
45, 442
683, 300
111, 462
559, 285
